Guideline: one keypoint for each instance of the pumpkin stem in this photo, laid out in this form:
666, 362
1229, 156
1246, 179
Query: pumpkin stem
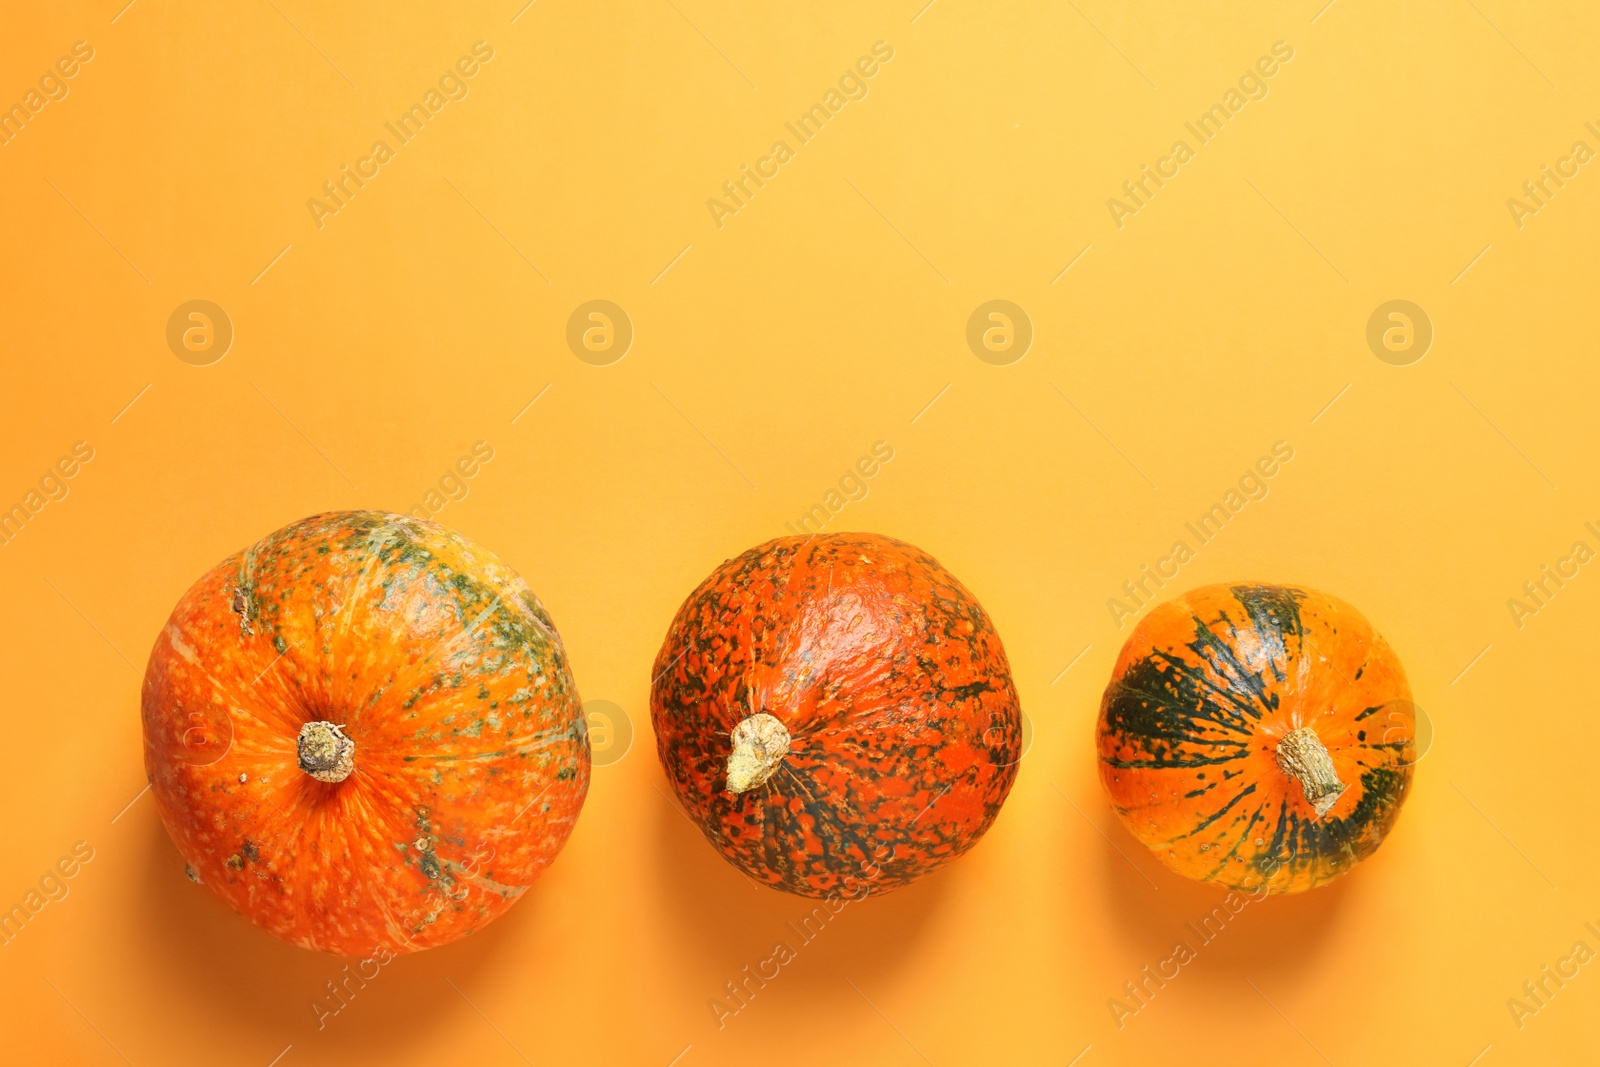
325, 753
759, 745
1302, 755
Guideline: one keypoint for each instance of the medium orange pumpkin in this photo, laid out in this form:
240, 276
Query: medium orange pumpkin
836, 714
362, 734
1258, 736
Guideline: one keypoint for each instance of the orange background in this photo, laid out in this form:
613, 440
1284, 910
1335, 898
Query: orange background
769, 354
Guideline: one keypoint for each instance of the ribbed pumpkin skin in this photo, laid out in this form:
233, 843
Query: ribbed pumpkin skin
890, 678
471, 757
1202, 693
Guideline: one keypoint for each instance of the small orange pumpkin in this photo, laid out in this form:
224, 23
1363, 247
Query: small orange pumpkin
835, 712
1258, 736
362, 734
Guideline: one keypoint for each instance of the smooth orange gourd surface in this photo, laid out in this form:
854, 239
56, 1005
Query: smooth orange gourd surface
1257, 736
362, 734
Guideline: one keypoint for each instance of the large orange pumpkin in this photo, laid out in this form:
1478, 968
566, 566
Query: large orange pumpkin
362, 734
1258, 736
836, 713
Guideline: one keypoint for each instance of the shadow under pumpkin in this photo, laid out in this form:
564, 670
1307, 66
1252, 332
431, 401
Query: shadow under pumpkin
1270, 941
726, 921
226, 968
